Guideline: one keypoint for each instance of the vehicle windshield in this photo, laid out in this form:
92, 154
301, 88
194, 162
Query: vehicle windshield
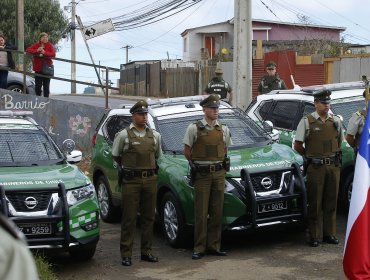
346, 109
27, 148
244, 131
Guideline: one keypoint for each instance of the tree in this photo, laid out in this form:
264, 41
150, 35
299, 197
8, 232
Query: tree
39, 16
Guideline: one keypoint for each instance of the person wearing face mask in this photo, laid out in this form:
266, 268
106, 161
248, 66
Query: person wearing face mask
42, 51
6, 60
271, 81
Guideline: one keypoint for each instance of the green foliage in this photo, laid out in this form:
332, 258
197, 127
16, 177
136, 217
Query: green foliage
39, 16
44, 269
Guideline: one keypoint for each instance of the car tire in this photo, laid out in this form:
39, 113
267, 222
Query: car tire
16, 88
108, 212
347, 187
82, 252
172, 221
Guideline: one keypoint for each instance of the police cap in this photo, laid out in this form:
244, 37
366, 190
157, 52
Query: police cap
139, 107
219, 71
323, 96
271, 64
213, 100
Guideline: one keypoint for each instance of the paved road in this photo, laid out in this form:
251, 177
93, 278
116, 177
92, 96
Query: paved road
265, 254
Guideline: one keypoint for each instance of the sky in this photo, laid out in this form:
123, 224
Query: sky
162, 40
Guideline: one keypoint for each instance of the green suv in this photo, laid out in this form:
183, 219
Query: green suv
264, 185
50, 200
285, 108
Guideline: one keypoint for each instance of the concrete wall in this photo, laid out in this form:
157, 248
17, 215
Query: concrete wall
62, 119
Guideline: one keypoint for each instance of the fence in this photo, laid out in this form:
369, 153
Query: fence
105, 87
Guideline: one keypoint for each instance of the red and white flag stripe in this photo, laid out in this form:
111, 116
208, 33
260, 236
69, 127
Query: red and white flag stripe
356, 261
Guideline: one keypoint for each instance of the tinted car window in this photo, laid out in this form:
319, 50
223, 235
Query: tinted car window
308, 109
244, 131
346, 109
264, 109
26, 148
115, 124
283, 114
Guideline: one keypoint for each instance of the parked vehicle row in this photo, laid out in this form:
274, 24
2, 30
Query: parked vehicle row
264, 185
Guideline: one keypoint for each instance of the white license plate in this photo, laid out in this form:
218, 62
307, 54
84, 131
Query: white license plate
35, 229
272, 206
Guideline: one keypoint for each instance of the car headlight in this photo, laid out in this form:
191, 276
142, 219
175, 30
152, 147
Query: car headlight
76, 195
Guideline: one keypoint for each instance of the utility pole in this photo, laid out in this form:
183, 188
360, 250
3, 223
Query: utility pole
20, 31
127, 47
73, 47
242, 66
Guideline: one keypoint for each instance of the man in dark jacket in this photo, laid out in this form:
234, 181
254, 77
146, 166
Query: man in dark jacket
6, 60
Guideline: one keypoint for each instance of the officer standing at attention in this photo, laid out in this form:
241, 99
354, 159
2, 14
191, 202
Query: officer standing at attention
217, 85
271, 81
322, 134
205, 147
136, 149
355, 126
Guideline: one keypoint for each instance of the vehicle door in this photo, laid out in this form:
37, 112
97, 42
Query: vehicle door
113, 125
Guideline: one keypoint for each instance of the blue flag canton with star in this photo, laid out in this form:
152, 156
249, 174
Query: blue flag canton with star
365, 140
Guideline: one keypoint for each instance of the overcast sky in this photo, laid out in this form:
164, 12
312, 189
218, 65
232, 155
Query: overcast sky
162, 39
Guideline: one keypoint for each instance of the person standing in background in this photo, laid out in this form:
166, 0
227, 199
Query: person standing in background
217, 85
41, 51
6, 60
271, 81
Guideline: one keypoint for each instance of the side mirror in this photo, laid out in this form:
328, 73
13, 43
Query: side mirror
68, 146
268, 126
74, 157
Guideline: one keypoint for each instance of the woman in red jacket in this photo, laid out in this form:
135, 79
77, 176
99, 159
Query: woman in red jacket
40, 51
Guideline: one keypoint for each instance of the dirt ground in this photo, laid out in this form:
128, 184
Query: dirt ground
266, 253
274, 253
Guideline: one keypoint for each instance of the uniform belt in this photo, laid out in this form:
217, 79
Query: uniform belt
139, 173
322, 161
209, 168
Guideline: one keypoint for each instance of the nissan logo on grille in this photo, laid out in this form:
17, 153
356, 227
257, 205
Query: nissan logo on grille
30, 202
266, 182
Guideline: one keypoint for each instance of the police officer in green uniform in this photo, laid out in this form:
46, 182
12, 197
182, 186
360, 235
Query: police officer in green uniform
217, 85
322, 134
136, 149
355, 127
271, 81
205, 147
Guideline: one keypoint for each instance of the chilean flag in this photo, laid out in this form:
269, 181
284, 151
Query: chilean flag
356, 261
